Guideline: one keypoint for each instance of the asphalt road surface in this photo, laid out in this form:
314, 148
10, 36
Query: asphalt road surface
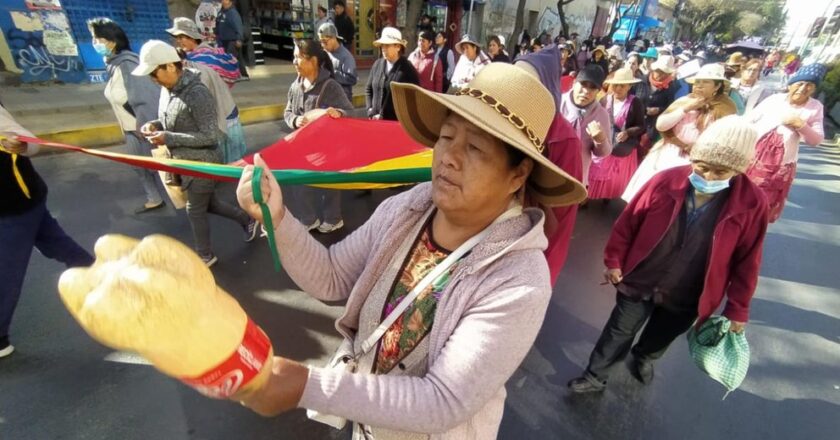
60, 384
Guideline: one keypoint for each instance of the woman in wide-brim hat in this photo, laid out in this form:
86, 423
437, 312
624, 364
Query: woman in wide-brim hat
599, 58
783, 122
378, 100
608, 176
682, 123
488, 157
472, 60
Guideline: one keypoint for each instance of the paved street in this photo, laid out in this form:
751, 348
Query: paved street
60, 384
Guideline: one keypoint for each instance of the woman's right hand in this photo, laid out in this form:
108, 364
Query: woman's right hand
272, 195
613, 276
693, 102
148, 129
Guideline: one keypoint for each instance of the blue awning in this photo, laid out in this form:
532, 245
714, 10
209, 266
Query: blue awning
648, 22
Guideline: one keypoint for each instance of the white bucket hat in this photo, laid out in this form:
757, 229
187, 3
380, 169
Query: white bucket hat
390, 35
714, 72
153, 54
664, 63
509, 104
466, 39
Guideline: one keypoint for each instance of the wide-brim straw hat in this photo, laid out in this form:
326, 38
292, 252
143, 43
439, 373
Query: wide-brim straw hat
714, 72
665, 63
623, 76
600, 48
506, 102
736, 59
390, 35
466, 39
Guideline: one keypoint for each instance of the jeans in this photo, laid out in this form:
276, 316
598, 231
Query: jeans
230, 47
147, 177
202, 199
18, 235
628, 316
306, 202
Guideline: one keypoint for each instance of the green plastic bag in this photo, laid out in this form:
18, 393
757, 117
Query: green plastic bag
723, 355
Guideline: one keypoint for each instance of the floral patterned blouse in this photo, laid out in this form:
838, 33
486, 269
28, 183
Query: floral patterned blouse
407, 332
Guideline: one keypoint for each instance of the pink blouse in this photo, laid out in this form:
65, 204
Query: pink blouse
768, 116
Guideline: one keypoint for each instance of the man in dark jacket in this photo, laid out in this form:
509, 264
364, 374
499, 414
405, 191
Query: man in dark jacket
230, 34
346, 28
25, 223
693, 235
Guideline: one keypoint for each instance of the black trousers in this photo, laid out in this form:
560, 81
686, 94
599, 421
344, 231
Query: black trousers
627, 318
230, 47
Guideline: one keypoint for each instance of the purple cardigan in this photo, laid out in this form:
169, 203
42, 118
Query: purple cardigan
486, 322
580, 118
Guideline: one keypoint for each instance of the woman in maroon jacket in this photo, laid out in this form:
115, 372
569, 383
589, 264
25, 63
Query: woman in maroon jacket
692, 235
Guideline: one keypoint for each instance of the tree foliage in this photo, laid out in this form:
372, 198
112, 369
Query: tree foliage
734, 19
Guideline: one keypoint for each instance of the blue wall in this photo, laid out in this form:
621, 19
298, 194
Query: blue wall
142, 21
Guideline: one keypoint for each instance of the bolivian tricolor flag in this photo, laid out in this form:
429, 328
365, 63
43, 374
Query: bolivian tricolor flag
332, 153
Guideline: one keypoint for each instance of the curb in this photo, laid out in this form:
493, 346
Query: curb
106, 135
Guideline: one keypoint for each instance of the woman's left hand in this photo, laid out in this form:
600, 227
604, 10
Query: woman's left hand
334, 113
737, 327
157, 138
282, 392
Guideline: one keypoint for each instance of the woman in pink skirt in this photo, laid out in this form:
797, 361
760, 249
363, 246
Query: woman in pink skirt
608, 176
783, 121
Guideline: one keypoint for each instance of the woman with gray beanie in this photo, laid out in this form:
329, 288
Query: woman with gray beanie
692, 236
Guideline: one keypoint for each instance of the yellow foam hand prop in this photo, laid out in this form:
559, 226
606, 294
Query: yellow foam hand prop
156, 297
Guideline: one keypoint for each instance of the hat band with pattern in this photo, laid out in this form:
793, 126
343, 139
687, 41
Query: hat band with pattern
512, 117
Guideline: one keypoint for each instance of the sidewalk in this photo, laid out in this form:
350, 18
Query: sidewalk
78, 114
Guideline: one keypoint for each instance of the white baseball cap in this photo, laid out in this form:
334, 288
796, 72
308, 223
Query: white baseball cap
153, 54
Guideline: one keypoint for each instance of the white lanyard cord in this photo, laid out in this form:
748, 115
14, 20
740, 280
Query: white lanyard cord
456, 255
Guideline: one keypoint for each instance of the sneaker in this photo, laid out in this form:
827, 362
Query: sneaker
149, 207
314, 225
642, 370
263, 232
326, 228
209, 260
251, 230
583, 384
5, 347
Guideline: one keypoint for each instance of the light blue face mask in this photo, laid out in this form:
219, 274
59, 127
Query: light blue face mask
704, 186
101, 49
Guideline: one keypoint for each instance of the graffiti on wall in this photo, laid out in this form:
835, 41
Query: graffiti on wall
42, 46
549, 22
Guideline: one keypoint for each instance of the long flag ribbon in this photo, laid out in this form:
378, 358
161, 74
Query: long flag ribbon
331, 153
